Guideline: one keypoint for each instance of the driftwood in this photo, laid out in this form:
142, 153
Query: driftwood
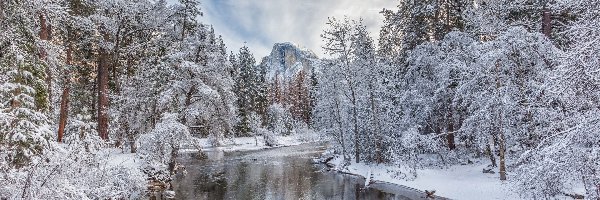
574, 196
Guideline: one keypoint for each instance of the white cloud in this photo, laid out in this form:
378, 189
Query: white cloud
261, 23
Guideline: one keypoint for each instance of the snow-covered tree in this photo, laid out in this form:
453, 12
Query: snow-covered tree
24, 125
251, 90
567, 156
161, 145
351, 87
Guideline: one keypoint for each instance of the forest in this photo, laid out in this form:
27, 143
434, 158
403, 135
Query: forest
514, 85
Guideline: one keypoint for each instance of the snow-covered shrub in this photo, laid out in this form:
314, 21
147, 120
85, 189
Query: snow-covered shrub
257, 130
306, 134
563, 161
279, 119
81, 131
74, 171
160, 147
270, 137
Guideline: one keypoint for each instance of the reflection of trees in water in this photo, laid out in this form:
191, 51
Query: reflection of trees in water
213, 184
263, 176
237, 176
283, 178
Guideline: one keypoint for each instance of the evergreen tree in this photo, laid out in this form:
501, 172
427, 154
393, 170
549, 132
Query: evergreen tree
247, 88
24, 103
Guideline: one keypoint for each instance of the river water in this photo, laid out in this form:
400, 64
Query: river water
279, 173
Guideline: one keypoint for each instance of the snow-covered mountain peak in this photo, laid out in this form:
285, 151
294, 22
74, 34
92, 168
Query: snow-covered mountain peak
287, 59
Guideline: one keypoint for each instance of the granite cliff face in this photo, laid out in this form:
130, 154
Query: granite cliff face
289, 70
286, 61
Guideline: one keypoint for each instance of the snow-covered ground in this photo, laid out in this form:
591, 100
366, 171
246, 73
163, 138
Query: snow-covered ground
116, 158
255, 143
455, 182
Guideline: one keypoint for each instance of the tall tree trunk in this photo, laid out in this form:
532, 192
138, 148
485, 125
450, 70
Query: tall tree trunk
43, 27
501, 139
103, 94
64, 102
547, 22
64, 111
502, 148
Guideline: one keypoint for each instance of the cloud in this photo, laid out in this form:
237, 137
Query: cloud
261, 23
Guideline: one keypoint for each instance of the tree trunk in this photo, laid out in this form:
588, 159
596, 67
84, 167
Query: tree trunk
355, 121
64, 102
64, 111
502, 149
450, 131
43, 27
130, 138
547, 22
501, 139
173, 159
339, 122
490, 152
103, 95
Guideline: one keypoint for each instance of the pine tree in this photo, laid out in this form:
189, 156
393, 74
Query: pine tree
417, 22
24, 101
186, 13
247, 88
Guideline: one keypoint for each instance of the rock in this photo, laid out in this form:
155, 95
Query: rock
488, 171
430, 194
169, 194
286, 60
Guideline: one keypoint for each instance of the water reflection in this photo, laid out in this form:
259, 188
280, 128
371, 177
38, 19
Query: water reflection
286, 173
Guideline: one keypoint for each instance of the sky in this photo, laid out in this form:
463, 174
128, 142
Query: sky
261, 23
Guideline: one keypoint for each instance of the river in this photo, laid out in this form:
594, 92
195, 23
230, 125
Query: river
278, 173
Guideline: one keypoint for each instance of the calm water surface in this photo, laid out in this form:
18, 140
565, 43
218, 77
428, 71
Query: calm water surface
280, 173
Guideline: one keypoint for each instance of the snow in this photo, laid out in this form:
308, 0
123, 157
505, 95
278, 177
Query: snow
253, 143
368, 177
116, 158
455, 182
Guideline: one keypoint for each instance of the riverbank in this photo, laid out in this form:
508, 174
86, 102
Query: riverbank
255, 143
454, 182
131, 163
115, 157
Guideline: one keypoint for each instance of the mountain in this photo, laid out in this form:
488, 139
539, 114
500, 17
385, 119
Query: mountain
287, 60
289, 75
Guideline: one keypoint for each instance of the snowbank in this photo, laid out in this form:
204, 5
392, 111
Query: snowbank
455, 182
116, 158
254, 143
